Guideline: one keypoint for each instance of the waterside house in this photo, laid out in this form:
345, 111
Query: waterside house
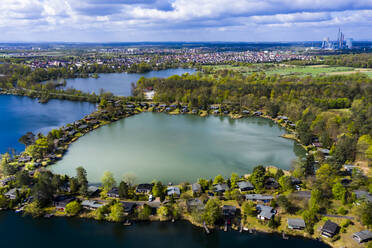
114, 192
363, 195
329, 229
362, 236
220, 188
93, 191
228, 211
265, 212
258, 197
196, 188
91, 205
61, 201
144, 188
12, 194
173, 191
296, 224
194, 204
245, 186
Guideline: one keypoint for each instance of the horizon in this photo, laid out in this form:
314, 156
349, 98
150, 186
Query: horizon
108, 21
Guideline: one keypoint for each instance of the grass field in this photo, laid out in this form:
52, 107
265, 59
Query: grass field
271, 69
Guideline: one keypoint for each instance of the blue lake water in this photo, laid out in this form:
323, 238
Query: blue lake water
119, 83
17, 231
19, 115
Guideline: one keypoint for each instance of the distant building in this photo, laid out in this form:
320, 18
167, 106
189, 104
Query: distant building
296, 224
362, 236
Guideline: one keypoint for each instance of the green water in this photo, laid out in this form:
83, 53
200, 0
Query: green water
179, 148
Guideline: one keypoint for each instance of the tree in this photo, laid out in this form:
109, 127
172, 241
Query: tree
284, 203
130, 179
117, 212
279, 173
73, 208
74, 185
365, 214
218, 179
234, 179
158, 190
144, 212
108, 181
249, 209
286, 183
43, 190
212, 211
257, 177
22, 178
339, 191
81, 175
163, 212
123, 190
204, 183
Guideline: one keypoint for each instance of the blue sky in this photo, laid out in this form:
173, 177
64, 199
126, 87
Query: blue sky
183, 20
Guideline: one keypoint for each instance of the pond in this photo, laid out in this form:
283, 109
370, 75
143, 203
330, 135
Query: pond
19, 115
179, 148
17, 231
119, 83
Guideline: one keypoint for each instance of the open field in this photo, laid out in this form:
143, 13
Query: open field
271, 69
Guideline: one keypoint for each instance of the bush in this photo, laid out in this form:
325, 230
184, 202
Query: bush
342, 211
73, 208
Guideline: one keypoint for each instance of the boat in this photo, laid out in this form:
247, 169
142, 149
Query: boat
127, 223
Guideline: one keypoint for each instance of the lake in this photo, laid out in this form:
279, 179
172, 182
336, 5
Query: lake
179, 148
20, 115
119, 83
17, 231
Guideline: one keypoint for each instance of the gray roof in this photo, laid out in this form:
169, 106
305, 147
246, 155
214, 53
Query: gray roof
245, 185
265, 211
196, 187
12, 192
221, 187
362, 194
173, 191
195, 203
363, 235
91, 204
92, 189
258, 197
296, 223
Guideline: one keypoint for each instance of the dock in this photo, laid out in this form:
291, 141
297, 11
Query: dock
206, 228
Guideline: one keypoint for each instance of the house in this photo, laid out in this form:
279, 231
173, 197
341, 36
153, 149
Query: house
245, 186
325, 152
61, 201
246, 112
12, 194
24, 159
220, 188
349, 168
7, 180
114, 192
363, 195
144, 188
83, 127
258, 197
257, 113
265, 212
228, 211
296, 224
362, 236
196, 188
128, 206
194, 204
330, 229
271, 183
93, 190
91, 205
172, 190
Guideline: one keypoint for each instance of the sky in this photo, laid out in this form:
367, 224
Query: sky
183, 20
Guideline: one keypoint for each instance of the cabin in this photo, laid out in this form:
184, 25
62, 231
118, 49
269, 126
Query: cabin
325, 152
265, 212
114, 192
257, 113
220, 188
363, 195
194, 111
91, 205
258, 197
246, 112
196, 188
362, 236
329, 229
228, 211
93, 191
349, 168
271, 183
128, 207
144, 188
61, 201
245, 186
194, 204
7, 180
173, 191
296, 224
12, 194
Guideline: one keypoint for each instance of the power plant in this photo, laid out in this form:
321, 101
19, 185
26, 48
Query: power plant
339, 44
